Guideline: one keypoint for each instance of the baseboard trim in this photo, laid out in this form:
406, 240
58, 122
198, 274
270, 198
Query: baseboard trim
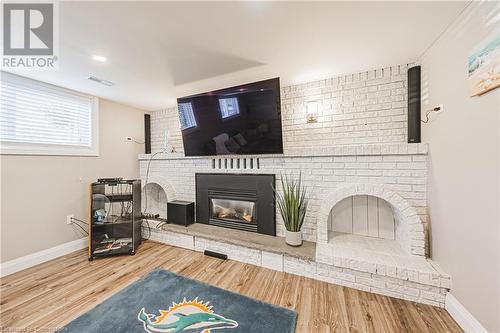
462, 316
16, 265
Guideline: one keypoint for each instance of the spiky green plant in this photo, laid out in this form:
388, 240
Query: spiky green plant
292, 202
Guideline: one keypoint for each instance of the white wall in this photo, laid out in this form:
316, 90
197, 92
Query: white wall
37, 192
463, 189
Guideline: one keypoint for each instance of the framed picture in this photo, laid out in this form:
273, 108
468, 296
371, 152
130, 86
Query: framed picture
484, 65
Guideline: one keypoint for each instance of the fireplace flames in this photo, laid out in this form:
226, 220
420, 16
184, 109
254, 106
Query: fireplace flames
232, 213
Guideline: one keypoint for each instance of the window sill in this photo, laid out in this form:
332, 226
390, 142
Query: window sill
48, 151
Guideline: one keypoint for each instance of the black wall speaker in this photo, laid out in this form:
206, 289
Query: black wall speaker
414, 104
147, 134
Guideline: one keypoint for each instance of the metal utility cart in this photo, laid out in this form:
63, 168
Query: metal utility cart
115, 215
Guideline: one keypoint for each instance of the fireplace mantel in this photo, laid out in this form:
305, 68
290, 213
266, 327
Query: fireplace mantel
351, 150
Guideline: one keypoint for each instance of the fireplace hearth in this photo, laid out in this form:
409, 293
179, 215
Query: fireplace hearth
236, 201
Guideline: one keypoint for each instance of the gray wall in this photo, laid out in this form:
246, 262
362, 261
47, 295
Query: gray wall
37, 192
463, 189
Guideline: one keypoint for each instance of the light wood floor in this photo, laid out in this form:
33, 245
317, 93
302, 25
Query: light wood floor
52, 294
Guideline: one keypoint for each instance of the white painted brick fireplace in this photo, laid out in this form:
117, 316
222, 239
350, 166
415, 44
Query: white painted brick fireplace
329, 178
357, 148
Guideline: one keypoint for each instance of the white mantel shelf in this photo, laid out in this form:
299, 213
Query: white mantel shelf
352, 150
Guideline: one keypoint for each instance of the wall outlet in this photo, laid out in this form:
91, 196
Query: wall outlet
438, 108
69, 218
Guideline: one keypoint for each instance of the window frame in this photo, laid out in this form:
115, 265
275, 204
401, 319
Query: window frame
26, 148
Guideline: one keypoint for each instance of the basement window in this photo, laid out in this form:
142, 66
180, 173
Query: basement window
37, 118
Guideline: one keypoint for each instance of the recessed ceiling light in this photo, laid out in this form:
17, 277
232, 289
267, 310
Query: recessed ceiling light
99, 58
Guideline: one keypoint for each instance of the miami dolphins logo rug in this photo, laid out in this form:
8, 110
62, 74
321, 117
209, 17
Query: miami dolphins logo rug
188, 316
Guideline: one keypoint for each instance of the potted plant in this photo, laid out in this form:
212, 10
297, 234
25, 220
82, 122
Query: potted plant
292, 204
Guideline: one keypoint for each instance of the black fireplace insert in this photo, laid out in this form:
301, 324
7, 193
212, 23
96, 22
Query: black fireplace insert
236, 201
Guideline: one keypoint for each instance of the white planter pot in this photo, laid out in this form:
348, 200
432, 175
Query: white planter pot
293, 238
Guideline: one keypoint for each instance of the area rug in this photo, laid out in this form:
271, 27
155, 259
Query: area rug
164, 302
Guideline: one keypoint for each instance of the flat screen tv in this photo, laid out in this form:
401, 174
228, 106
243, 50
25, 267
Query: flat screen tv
240, 120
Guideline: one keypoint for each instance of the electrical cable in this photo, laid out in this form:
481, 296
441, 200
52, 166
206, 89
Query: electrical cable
111, 204
78, 222
135, 141
145, 193
79, 226
83, 229
149, 230
147, 177
428, 112
74, 218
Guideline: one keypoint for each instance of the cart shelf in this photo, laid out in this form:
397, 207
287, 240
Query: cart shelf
115, 217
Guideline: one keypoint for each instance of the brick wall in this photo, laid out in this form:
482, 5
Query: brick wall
401, 168
161, 121
360, 108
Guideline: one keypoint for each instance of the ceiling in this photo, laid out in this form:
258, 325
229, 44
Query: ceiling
158, 51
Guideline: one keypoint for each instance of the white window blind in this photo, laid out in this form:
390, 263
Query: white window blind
186, 116
41, 118
229, 107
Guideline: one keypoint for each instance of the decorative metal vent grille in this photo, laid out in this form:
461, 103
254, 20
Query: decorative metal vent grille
243, 163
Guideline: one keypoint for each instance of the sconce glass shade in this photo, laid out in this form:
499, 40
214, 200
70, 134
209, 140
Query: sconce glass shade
312, 111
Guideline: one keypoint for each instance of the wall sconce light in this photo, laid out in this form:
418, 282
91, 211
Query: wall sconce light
312, 111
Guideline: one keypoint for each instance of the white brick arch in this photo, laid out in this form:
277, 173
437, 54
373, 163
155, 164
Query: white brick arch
164, 184
407, 214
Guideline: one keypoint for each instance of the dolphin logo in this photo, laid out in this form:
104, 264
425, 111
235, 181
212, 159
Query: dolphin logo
187, 316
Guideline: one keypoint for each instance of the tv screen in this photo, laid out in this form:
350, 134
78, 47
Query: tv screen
240, 120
